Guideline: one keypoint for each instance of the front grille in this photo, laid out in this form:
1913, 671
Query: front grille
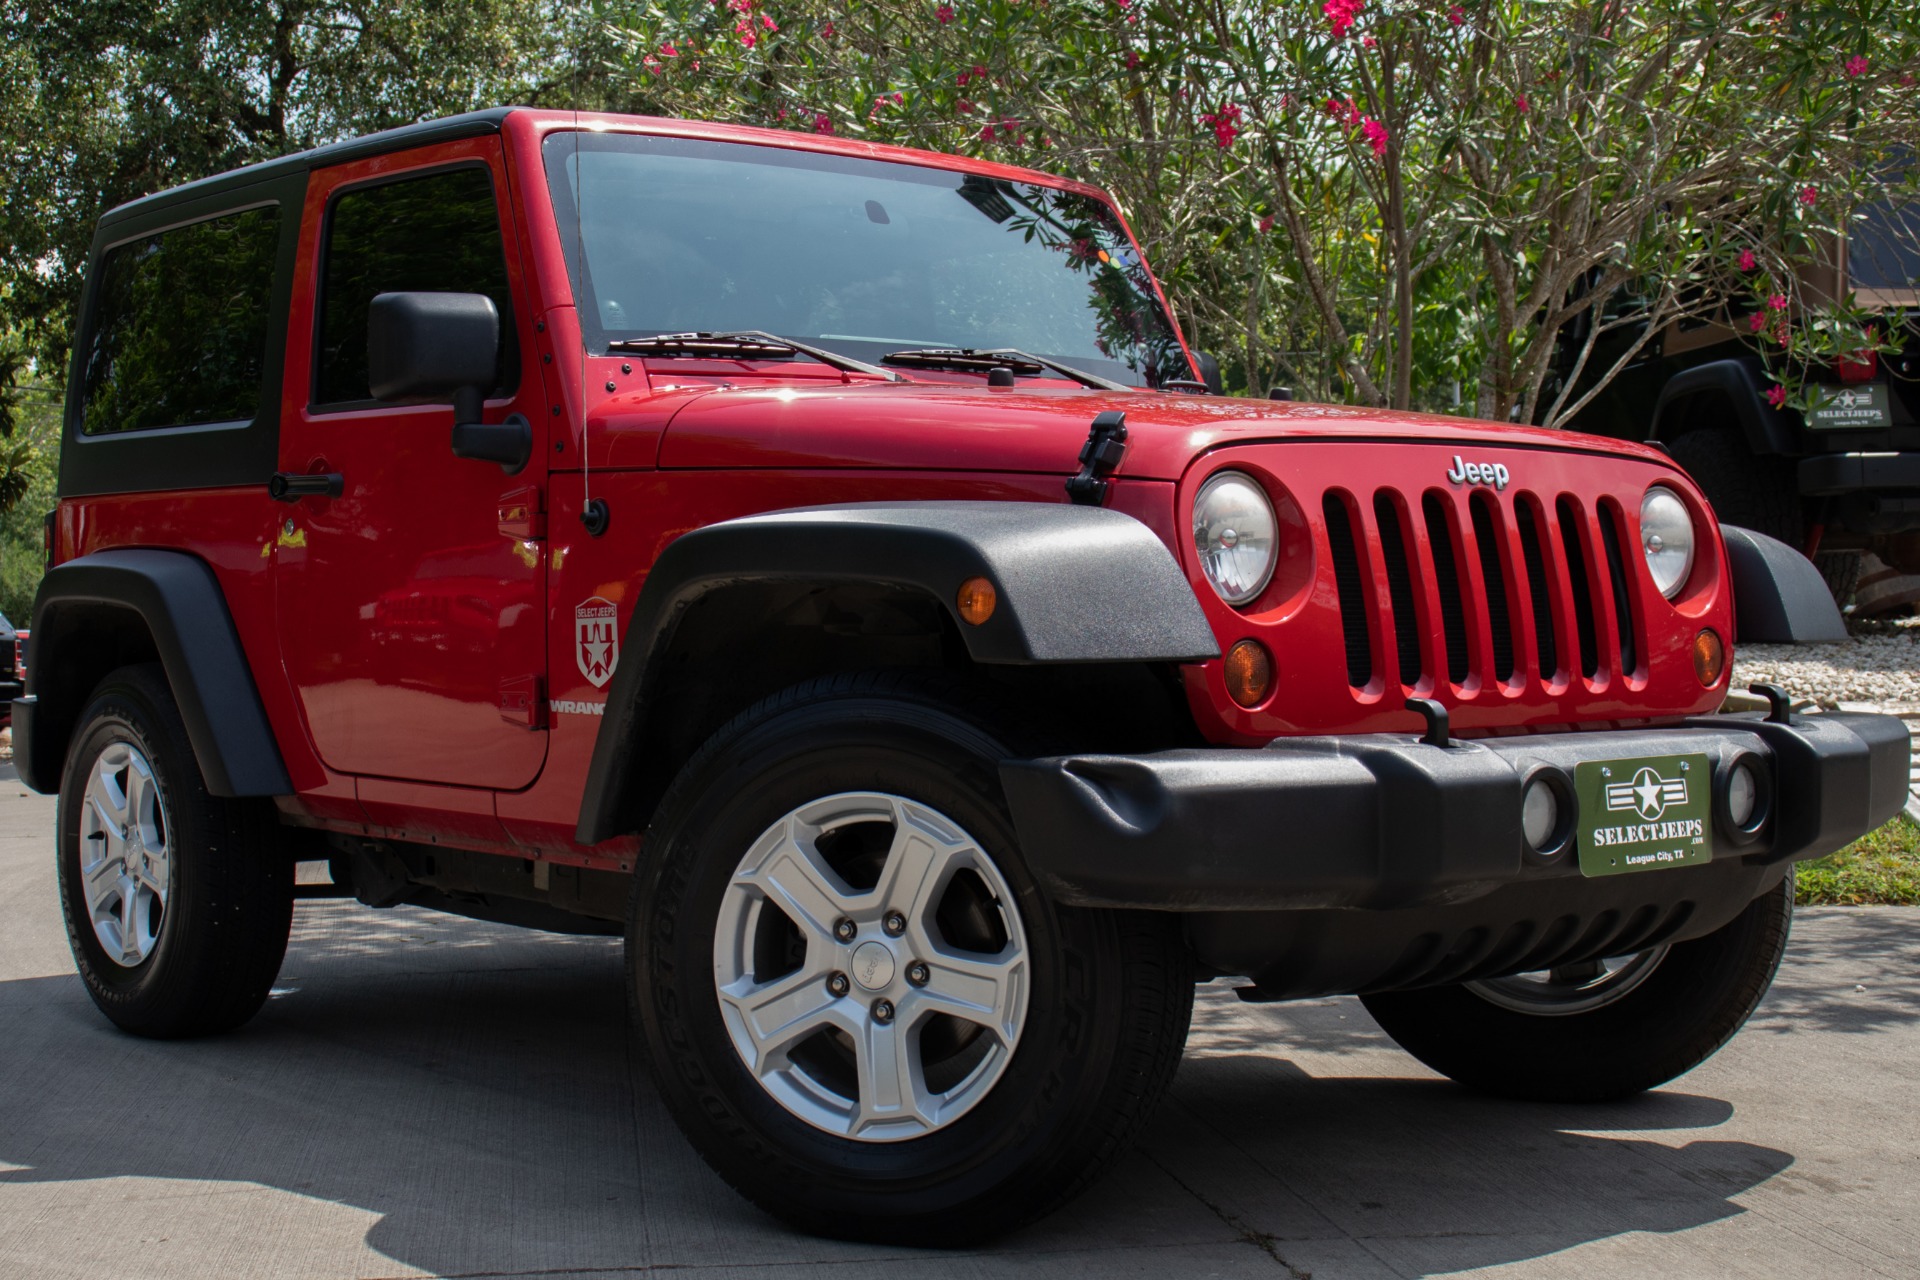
1514, 590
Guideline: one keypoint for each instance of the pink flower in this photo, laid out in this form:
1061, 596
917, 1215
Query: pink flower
821, 124
1376, 135
827, 31
749, 39
769, 23
1266, 224
899, 98
1345, 112
781, 114
964, 107
1368, 42
944, 13
1778, 302
986, 133
1906, 79
1340, 15
979, 72
1777, 396
1757, 322
1747, 261
1456, 15
740, 6
1809, 195
962, 79
1225, 122
652, 64
668, 51
1520, 103
1856, 67
1133, 59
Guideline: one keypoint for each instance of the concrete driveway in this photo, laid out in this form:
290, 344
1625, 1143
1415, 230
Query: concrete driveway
425, 1095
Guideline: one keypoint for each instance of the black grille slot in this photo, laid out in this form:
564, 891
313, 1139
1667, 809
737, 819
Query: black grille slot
1622, 604
1538, 588
1393, 555
1582, 589
1486, 538
1353, 598
1446, 577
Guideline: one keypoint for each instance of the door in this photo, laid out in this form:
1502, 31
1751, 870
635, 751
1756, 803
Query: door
410, 606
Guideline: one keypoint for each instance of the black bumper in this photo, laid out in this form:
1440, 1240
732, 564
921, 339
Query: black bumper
1383, 823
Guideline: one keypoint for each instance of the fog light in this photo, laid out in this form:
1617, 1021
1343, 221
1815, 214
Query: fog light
976, 600
1249, 672
1709, 658
1743, 794
1540, 815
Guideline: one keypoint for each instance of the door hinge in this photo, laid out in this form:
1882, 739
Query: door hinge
523, 701
522, 517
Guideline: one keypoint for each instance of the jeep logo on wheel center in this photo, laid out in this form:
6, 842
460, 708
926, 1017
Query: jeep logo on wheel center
596, 639
1493, 473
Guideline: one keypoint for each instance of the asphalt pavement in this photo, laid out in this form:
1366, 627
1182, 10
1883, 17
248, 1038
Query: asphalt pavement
431, 1096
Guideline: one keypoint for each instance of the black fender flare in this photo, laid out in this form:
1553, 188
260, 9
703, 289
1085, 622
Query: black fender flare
1767, 430
1074, 584
1778, 596
178, 599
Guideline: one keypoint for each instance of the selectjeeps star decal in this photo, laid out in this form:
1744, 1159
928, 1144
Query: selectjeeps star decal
596, 639
1648, 794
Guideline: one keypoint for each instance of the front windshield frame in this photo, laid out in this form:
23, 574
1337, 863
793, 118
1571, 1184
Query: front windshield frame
1100, 243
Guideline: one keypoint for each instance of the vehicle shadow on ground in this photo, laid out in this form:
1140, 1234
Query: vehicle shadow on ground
469, 1087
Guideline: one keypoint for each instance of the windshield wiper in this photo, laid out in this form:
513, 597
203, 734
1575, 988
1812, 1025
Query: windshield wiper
969, 360
746, 344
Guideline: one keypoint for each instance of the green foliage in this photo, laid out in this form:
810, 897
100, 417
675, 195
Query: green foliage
1882, 867
26, 496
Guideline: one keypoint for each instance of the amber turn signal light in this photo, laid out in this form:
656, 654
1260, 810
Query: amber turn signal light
1249, 671
977, 599
1709, 658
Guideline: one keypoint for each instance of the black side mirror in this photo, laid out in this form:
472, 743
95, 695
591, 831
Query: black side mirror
1210, 372
445, 346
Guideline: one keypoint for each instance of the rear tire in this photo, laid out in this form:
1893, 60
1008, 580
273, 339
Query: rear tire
780, 1106
177, 902
1753, 492
1660, 1026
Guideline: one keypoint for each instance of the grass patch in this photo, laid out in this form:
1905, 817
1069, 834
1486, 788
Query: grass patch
1880, 868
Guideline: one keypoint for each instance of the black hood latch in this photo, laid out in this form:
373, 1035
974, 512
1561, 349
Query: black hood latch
1099, 458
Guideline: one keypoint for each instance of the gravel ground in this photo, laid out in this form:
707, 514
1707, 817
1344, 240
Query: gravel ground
1880, 666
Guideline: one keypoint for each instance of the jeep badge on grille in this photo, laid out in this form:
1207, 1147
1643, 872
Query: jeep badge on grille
1492, 473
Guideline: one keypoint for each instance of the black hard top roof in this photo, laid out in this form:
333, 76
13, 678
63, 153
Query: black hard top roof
472, 124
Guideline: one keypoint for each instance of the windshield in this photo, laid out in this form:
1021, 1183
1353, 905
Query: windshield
863, 257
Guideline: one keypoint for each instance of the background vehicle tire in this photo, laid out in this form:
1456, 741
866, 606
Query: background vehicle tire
177, 902
1105, 1001
1744, 489
1665, 1024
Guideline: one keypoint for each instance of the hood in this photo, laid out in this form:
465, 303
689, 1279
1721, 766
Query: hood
946, 427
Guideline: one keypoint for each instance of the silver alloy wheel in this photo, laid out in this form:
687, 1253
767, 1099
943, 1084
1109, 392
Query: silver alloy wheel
1571, 988
126, 855
871, 967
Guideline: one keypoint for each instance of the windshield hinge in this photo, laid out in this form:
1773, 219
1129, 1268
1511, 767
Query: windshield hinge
1099, 458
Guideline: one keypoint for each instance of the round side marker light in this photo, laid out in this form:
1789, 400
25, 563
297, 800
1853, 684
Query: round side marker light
1709, 658
1249, 672
976, 600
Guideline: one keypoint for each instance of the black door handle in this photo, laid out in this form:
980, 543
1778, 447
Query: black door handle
287, 486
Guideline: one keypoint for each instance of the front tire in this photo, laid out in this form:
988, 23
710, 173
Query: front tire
856, 1002
1621, 1031
177, 902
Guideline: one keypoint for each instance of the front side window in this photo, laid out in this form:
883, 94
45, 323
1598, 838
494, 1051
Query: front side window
434, 234
179, 330
865, 257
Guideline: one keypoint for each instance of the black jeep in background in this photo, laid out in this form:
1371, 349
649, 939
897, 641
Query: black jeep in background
1841, 484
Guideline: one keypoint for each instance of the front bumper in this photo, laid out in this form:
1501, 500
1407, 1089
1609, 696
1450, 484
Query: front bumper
1381, 822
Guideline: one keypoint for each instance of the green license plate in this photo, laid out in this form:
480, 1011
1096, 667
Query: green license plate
1855, 408
1644, 814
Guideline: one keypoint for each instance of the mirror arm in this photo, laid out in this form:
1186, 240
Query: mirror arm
508, 443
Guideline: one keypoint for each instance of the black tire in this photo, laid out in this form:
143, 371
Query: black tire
1841, 569
1110, 993
1677, 1018
218, 941
1744, 489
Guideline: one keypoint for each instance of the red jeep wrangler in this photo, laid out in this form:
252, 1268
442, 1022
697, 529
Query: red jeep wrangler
824, 563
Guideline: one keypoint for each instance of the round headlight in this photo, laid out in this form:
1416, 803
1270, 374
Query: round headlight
1666, 536
1235, 533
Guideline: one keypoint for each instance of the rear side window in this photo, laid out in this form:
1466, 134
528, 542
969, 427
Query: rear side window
436, 234
179, 333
